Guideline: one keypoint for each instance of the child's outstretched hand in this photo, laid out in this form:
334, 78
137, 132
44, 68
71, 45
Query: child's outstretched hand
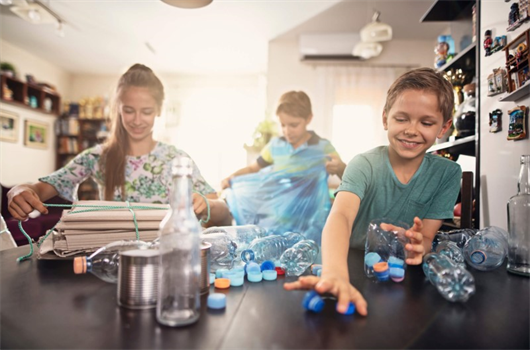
339, 287
415, 248
334, 165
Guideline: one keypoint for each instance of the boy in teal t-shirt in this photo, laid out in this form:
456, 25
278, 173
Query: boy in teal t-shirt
399, 182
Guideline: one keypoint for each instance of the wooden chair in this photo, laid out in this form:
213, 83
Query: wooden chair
466, 198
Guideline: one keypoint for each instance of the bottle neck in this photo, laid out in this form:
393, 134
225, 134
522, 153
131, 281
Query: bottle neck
523, 187
181, 199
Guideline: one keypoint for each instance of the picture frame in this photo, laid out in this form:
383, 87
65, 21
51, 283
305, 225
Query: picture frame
9, 122
36, 134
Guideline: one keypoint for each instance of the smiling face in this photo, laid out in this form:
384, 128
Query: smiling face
294, 129
138, 110
413, 123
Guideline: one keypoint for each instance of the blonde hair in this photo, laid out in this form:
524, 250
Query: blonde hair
296, 104
116, 148
426, 79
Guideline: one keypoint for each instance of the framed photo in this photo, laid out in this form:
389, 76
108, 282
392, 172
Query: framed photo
36, 134
9, 122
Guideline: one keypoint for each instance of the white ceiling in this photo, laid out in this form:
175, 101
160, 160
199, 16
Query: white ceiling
226, 37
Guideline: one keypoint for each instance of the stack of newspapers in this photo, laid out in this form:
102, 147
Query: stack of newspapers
89, 225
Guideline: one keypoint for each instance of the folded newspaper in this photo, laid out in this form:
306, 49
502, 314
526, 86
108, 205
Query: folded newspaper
89, 225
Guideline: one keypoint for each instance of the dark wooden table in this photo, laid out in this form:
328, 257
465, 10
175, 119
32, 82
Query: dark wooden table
44, 305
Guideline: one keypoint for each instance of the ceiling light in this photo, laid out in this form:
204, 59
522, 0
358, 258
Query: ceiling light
367, 50
37, 13
376, 31
188, 4
60, 29
6, 2
34, 15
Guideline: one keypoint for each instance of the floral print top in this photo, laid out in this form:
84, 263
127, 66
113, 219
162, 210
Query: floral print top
147, 177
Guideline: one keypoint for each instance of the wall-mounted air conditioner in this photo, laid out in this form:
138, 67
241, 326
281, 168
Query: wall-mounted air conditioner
328, 47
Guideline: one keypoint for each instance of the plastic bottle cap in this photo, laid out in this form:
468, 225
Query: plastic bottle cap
80, 265
381, 267
397, 274
351, 309
267, 265
478, 257
371, 259
313, 302
222, 283
395, 262
219, 272
319, 272
239, 269
252, 267
212, 278
237, 279
270, 275
315, 267
279, 271
255, 277
216, 301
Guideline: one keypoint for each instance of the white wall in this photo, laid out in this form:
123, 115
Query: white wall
499, 158
286, 72
19, 163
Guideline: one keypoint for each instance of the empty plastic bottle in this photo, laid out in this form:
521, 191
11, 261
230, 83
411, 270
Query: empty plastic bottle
6, 239
104, 262
487, 249
452, 280
460, 237
223, 252
299, 257
242, 235
452, 251
270, 247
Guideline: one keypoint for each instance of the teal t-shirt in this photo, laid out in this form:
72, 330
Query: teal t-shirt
430, 194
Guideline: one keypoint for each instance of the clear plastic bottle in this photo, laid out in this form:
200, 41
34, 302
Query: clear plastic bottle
487, 249
223, 252
179, 268
453, 281
519, 223
270, 247
6, 239
299, 257
242, 235
104, 262
452, 251
460, 237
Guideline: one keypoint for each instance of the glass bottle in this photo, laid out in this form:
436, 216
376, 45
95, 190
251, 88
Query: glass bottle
453, 281
179, 268
104, 262
519, 223
6, 239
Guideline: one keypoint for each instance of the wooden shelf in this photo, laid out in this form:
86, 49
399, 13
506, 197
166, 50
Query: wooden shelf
517, 94
448, 10
464, 60
22, 92
452, 144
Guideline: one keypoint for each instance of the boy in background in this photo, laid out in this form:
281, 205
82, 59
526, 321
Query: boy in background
295, 113
399, 181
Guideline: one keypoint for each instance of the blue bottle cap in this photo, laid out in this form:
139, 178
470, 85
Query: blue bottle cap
255, 277
212, 278
313, 302
229, 274
315, 268
395, 262
319, 272
252, 267
270, 275
216, 301
239, 269
267, 265
219, 273
371, 259
397, 274
351, 309
237, 280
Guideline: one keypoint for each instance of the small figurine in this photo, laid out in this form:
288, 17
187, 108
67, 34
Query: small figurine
495, 121
513, 16
519, 52
7, 93
441, 50
464, 117
517, 126
488, 41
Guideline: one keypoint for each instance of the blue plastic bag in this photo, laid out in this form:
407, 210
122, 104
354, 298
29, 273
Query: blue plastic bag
293, 199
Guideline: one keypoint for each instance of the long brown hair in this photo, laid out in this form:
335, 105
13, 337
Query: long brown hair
116, 148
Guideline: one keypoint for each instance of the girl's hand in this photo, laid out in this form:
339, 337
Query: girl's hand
415, 248
199, 205
339, 287
22, 200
